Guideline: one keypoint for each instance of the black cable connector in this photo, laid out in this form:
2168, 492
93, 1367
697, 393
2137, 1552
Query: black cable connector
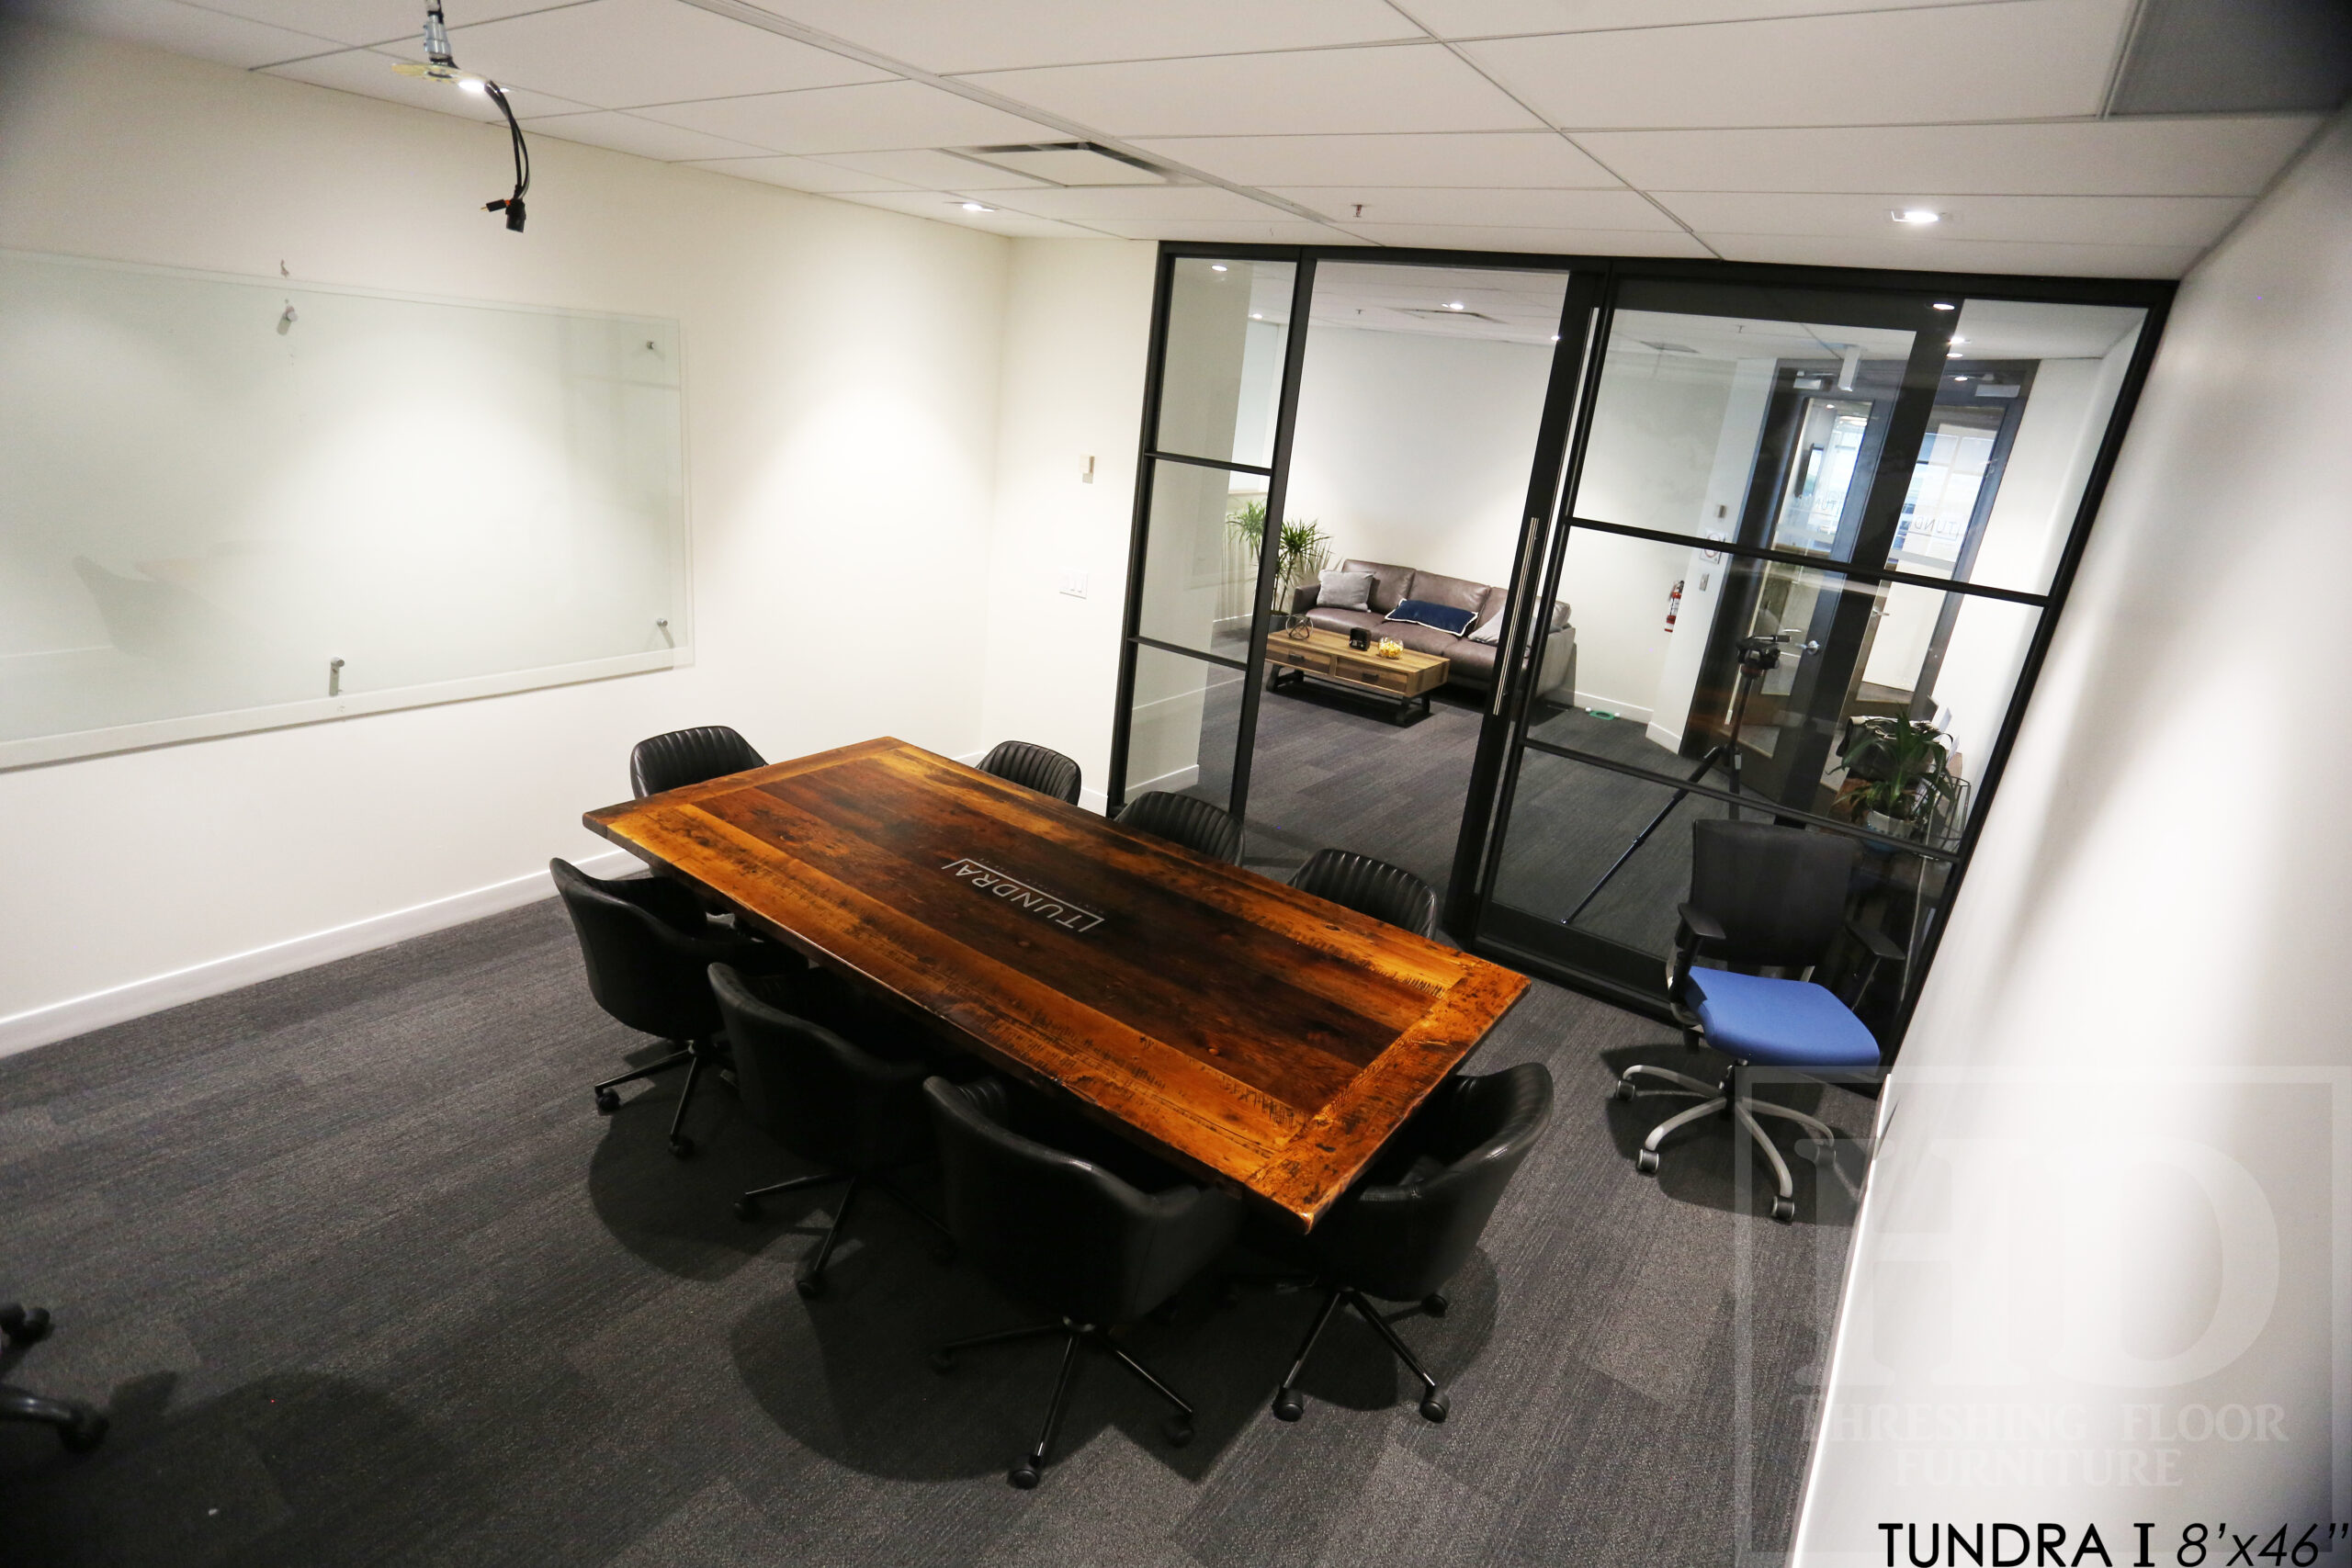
512, 205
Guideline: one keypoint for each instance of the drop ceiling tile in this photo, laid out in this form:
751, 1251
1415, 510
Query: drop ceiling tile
2067, 219
2111, 157
1093, 204
945, 208
365, 21
1490, 18
800, 174
1961, 255
1352, 205
1545, 241
182, 30
369, 74
950, 36
1388, 87
2022, 59
1529, 158
883, 116
931, 170
1283, 230
623, 53
645, 138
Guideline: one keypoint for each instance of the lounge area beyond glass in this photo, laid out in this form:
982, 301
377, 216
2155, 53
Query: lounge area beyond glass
1814, 528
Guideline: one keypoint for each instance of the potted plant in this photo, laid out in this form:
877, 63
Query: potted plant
1301, 551
1897, 771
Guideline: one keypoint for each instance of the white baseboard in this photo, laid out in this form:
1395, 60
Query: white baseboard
118, 1004
1632, 711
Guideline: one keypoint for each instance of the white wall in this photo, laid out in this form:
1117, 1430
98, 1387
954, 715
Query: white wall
1415, 449
2111, 1204
842, 369
1077, 327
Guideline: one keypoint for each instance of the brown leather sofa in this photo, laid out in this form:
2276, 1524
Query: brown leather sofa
1472, 663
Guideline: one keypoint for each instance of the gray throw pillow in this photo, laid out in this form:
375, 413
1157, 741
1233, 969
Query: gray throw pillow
1344, 591
1491, 630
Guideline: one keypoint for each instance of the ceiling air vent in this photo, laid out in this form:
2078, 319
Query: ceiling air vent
1069, 164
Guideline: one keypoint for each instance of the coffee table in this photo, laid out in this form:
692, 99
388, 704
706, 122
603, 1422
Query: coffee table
1408, 680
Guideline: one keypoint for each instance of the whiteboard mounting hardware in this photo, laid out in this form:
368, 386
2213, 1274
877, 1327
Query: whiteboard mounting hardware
286, 319
335, 677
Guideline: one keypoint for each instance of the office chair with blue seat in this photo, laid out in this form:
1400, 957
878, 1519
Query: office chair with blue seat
1761, 897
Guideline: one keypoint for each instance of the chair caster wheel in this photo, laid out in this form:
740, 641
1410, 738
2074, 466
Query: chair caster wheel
26, 1325
1022, 1475
681, 1145
1646, 1162
608, 1101
1288, 1406
88, 1430
1624, 1089
1177, 1430
943, 1360
1435, 1303
1784, 1211
1435, 1407
810, 1289
746, 1208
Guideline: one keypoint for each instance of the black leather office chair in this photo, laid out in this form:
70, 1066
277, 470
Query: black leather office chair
1405, 1230
80, 1427
1034, 767
1180, 819
855, 1108
686, 757
1762, 897
649, 949
1099, 1238
1370, 887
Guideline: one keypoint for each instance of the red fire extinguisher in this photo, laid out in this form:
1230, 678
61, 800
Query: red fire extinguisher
1673, 603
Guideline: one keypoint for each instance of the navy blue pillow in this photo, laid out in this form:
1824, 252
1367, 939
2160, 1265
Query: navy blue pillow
1442, 617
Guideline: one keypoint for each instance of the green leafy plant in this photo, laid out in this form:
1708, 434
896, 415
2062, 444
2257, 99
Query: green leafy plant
1903, 765
1301, 550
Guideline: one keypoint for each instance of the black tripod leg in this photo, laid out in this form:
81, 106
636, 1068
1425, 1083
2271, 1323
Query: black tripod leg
1706, 764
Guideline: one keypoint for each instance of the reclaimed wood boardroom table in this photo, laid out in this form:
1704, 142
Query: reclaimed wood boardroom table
1253, 1034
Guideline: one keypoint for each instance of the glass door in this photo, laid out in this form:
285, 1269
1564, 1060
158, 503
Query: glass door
1795, 521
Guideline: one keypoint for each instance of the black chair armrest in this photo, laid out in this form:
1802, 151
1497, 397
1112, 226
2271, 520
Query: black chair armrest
1880, 944
1703, 925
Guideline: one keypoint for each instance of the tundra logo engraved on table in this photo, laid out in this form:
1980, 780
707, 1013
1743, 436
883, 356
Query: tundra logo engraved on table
1014, 891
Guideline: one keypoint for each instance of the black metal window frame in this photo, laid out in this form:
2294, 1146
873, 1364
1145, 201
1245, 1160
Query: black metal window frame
1594, 285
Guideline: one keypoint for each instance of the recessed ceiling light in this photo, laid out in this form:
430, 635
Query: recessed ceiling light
1556, 337
1453, 304
470, 84
1916, 215
1216, 267
1955, 354
1257, 315
978, 207
1940, 305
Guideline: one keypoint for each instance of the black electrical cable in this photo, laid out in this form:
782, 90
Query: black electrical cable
512, 205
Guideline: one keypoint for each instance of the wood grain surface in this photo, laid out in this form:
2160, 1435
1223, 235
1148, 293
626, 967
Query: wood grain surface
1257, 1035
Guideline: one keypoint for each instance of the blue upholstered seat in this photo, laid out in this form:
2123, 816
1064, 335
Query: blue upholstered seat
1781, 1023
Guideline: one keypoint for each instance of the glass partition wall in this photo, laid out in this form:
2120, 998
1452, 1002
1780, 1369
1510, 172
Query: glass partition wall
1797, 539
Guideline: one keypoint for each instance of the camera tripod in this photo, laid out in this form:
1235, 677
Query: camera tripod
1757, 655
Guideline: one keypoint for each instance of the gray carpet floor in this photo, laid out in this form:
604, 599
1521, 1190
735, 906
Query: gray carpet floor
363, 1279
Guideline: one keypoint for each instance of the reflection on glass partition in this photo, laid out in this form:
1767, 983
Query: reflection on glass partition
1183, 726
236, 502
1728, 427
1200, 557
1807, 666
1229, 326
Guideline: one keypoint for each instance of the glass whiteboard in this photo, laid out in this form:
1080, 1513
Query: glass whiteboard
212, 488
